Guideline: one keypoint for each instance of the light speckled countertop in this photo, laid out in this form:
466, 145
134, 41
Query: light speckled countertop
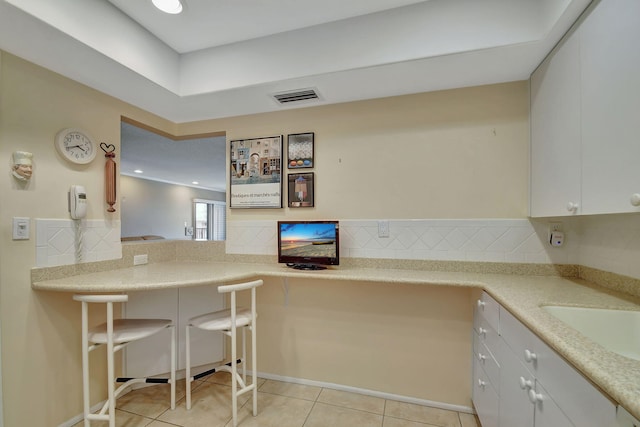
523, 296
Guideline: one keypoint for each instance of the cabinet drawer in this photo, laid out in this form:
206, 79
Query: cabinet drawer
487, 362
485, 398
489, 309
486, 334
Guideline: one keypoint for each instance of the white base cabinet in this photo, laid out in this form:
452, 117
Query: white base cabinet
531, 386
151, 356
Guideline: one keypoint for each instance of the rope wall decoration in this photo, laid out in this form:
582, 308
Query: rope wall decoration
109, 175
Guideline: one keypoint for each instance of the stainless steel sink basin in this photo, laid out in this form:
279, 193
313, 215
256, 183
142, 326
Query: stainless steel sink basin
615, 330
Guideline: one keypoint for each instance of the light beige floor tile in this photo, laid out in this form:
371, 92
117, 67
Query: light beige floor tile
225, 379
323, 415
210, 407
122, 419
150, 401
352, 400
422, 414
469, 420
298, 391
274, 411
157, 423
397, 422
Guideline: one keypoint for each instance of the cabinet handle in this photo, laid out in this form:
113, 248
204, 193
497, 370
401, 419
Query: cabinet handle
482, 331
535, 397
572, 207
525, 384
481, 383
635, 199
482, 357
530, 356
481, 303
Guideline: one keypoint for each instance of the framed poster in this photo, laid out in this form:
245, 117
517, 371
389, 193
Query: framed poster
300, 190
256, 173
300, 150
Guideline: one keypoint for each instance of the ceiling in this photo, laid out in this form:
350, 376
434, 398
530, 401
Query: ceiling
222, 58
174, 162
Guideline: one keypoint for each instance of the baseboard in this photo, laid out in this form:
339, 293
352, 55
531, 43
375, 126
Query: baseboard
374, 393
367, 392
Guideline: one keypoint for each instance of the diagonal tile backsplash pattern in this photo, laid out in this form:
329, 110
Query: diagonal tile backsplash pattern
489, 240
65, 241
605, 242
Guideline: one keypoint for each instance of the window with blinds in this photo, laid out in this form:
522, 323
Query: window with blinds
209, 219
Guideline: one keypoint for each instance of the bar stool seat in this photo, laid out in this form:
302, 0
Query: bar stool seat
221, 320
127, 330
116, 334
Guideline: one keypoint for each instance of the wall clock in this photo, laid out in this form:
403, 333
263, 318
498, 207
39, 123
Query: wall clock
75, 145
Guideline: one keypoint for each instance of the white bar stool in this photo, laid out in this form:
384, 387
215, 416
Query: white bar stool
116, 334
227, 321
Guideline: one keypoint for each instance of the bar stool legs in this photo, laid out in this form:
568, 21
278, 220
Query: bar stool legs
116, 334
228, 321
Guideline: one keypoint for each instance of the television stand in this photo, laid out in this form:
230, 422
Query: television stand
303, 266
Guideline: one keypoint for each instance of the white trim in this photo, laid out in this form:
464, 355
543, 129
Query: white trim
75, 420
367, 392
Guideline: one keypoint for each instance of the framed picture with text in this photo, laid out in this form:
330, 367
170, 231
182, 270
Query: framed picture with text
256, 173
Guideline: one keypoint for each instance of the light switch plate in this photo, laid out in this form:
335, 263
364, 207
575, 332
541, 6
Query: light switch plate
20, 228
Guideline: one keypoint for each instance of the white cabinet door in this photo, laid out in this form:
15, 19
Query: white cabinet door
555, 132
150, 356
206, 347
515, 408
610, 64
547, 412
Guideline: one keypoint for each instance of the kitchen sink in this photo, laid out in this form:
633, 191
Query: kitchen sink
615, 330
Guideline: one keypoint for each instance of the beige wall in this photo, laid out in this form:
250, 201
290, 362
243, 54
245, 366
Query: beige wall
453, 154
408, 340
40, 333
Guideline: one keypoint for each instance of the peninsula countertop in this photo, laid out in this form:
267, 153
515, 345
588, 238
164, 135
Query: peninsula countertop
522, 295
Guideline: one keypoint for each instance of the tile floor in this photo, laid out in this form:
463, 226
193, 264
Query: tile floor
280, 404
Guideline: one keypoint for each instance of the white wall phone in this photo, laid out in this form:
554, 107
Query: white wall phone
77, 202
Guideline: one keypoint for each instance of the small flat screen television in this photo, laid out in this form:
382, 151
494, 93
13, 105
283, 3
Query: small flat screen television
309, 245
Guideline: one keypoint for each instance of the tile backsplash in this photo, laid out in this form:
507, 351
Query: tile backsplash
65, 241
605, 242
489, 240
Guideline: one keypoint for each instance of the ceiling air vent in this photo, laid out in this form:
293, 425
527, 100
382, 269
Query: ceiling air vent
298, 95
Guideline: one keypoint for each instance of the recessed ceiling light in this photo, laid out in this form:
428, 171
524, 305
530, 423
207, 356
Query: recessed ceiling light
195, 182
168, 6
137, 171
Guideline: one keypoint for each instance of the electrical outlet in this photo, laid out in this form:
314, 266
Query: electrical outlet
555, 226
140, 259
383, 228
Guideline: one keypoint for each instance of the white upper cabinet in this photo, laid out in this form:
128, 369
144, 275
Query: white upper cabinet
585, 117
555, 132
610, 64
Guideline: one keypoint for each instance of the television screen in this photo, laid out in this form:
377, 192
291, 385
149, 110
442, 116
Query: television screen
309, 245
